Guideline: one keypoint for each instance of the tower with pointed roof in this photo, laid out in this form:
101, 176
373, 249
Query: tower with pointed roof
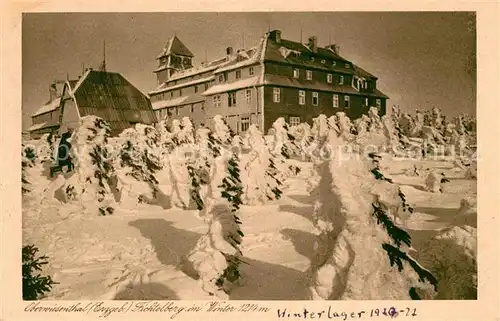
174, 57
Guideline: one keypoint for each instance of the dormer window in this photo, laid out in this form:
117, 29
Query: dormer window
347, 66
312, 58
334, 63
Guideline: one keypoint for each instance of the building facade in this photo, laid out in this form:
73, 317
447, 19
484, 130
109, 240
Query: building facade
276, 78
46, 119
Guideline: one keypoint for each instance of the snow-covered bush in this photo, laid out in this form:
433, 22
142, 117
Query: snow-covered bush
165, 137
182, 132
433, 183
90, 182
471, 171
35, 284
345, 126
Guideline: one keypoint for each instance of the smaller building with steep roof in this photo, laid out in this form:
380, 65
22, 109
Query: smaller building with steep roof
108, 95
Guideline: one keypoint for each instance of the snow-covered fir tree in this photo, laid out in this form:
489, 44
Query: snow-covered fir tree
217, 256
347, 224
138, 163
28, 160
89, 184
258, 170
282, 148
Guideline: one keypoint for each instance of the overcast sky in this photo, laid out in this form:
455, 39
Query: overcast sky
420, 58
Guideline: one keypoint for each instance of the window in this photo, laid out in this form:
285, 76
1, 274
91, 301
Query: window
192, 108
171, 94
231, 99
250, 71
206, 86
329, 78
225, 77
244, 123
309, 75
346, 101
177, 111
366, 102
302, 97
341, 80
315, 99
334, 63
195, 89
180, 92
294, 121
248, 95
202, 106
216, 100
296, 73
238, 74
379, 104
276, 95
221, 78
335, 101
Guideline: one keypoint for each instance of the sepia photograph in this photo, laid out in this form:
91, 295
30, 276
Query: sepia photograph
249, 156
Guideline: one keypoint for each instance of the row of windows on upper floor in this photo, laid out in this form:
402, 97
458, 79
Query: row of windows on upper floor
232, 99
224, 77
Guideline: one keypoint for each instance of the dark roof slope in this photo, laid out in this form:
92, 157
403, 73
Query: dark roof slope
176, 47
362, 73
296, 53
113, 98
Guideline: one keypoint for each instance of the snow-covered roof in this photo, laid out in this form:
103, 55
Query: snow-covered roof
163, 88
197, 70
48, 107
177, 101
41, 125
240, 84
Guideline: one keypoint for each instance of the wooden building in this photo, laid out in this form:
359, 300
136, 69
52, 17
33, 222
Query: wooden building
100, 93
276, 78
46, 119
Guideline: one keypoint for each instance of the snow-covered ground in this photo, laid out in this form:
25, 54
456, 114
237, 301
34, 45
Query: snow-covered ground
140, 253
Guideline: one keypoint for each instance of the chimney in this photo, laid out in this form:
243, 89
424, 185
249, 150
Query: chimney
275, 36
229, 51
312, 43
335, 48
53, 91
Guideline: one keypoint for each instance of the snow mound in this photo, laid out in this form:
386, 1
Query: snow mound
452, 258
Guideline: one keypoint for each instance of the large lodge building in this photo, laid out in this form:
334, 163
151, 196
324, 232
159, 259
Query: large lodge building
277, 78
